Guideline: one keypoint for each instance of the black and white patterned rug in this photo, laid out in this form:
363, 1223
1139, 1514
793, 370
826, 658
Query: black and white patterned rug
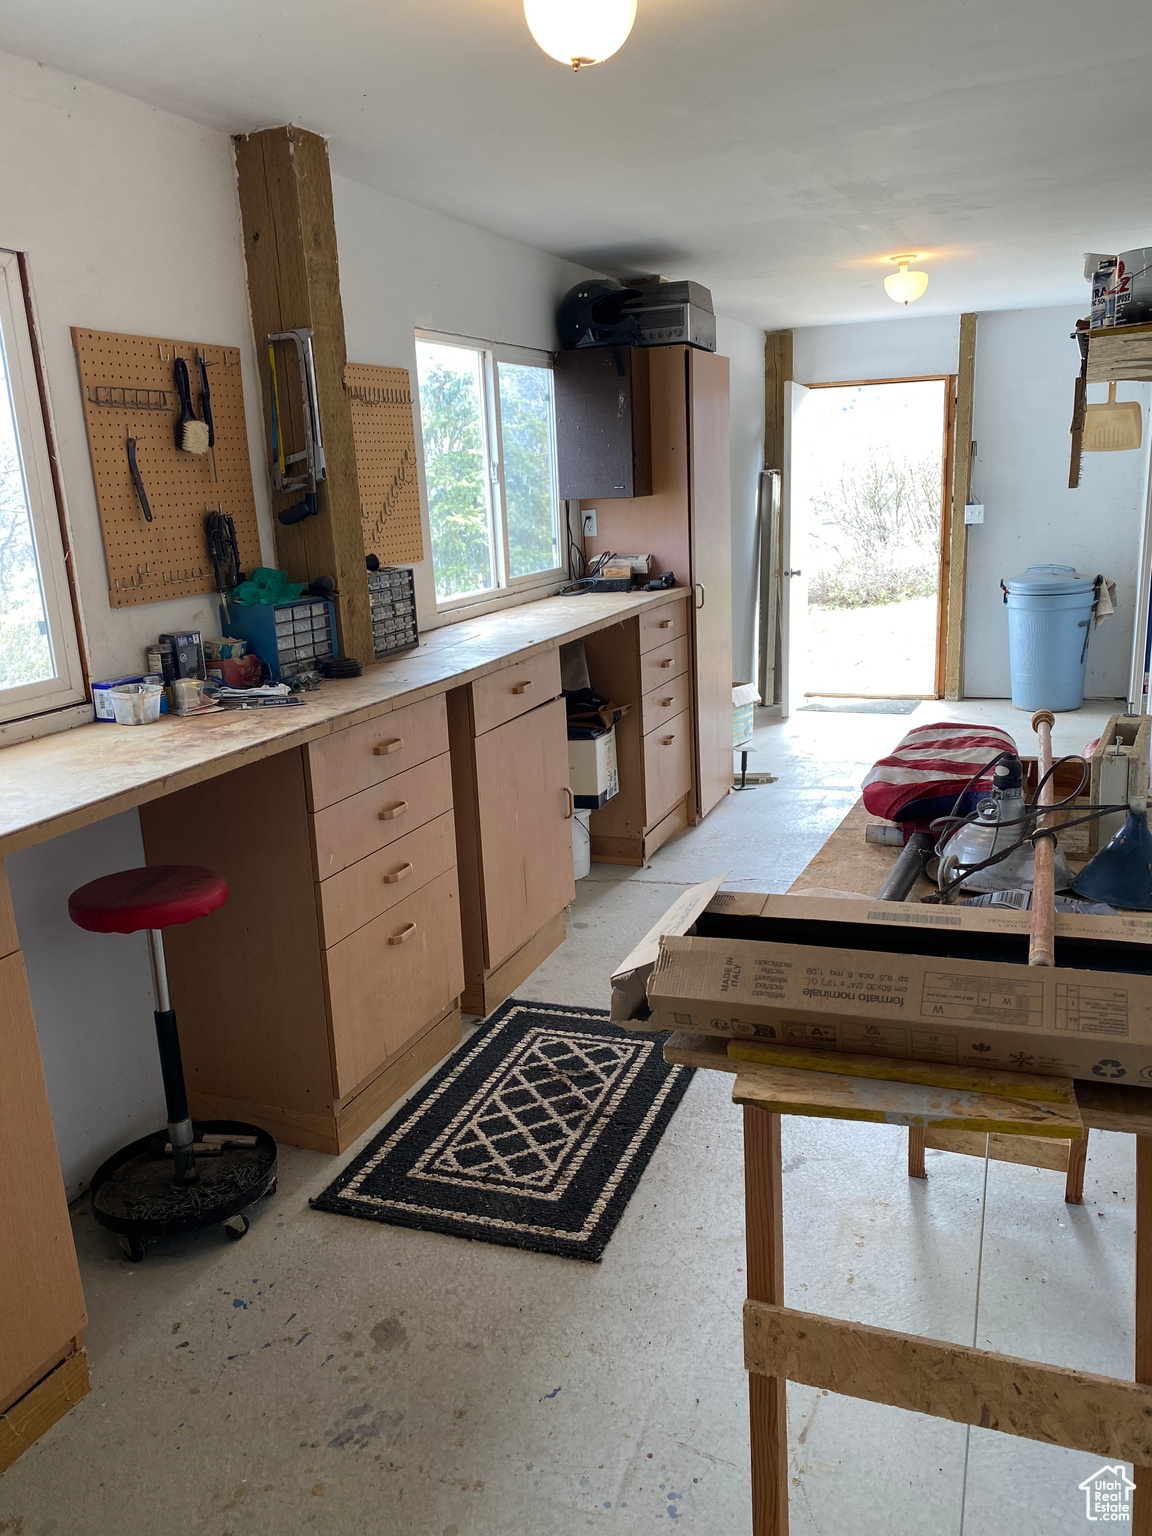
535, 1135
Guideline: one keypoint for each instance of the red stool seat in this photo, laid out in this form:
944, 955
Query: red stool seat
158, 897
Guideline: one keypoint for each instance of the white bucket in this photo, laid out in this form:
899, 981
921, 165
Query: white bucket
581, 844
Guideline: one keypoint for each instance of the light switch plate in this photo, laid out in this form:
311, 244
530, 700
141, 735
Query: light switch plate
974, 512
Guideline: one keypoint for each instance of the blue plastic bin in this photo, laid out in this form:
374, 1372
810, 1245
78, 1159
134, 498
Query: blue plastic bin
1049, 622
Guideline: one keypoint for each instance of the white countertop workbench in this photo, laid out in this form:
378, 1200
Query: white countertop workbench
57, 783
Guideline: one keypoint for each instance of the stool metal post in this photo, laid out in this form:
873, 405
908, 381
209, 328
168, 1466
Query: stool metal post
171, 1068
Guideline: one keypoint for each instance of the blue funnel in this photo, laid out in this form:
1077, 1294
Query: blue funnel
1121, 873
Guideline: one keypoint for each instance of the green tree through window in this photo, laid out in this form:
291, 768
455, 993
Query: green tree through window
487, 529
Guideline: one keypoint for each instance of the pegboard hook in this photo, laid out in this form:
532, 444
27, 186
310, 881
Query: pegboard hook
165, 356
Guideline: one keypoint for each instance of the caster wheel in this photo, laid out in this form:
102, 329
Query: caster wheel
271, 1190
236, 1226
132, 1249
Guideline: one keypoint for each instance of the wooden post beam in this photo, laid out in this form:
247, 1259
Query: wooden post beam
289, 228
777, 373
958, 531
767, 1394
1052, 1403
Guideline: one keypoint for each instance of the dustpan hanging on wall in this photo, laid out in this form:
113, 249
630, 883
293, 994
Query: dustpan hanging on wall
1114, 427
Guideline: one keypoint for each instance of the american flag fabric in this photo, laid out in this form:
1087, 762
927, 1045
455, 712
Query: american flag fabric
929, 768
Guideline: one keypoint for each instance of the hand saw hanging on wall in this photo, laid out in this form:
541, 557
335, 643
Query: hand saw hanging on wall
310, 458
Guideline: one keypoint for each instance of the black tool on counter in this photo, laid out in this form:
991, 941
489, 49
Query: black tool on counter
658, 583
342, 666
192, 434
137, 480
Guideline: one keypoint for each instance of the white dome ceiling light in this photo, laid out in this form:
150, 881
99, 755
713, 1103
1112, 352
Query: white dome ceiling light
580, 32
902, 286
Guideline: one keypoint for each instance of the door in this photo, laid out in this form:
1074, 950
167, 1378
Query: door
710, 511
525, 815
793, 522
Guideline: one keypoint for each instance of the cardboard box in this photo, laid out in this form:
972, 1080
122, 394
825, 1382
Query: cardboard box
592, 771
903, 980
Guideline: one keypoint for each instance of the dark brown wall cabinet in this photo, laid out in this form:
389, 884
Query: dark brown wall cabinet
603, 441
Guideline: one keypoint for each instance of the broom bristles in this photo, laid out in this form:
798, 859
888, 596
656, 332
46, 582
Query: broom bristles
195, 437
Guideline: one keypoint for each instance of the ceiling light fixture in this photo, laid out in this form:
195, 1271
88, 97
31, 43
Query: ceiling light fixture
580, 32
902, 286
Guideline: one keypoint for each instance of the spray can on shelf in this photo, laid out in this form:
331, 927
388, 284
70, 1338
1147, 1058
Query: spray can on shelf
1100, 271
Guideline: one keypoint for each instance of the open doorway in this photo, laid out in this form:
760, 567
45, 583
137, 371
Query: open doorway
866, 513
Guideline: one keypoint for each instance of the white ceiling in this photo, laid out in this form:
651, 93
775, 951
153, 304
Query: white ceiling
774, 151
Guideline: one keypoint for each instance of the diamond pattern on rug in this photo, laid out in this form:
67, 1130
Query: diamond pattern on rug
534, 1135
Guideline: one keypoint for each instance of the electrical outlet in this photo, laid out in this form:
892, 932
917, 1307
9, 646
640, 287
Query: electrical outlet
588, 523
974, 512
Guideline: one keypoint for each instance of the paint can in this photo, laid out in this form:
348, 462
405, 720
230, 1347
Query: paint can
1100, 271
1134, 286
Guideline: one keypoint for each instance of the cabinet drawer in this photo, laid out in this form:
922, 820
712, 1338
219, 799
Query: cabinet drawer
663, 663
391, 977
514, 691
659, 625
348, 761
380, 882
667, 766
665, 702
352, 829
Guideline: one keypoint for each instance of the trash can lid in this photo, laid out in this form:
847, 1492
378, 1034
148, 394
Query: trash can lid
1048, 580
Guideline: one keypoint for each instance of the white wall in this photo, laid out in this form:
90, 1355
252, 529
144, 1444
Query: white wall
1026, 368
745, 346
403, 267
130, 222
1025, 371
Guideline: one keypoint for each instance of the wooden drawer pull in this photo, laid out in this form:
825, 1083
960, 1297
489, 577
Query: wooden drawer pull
571, 811
401, 873
665, 623
664, 703
522, 687
667, 662
392, 811
667, 740
403, 936
384, 747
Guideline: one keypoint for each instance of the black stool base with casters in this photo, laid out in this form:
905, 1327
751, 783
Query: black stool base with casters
135, 1196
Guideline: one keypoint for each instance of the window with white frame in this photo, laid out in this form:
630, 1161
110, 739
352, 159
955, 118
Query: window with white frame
39, 655
488, 421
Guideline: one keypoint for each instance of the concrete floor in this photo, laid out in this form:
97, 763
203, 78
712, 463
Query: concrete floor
337, 1377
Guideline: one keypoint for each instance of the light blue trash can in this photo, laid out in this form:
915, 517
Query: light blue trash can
1049, 622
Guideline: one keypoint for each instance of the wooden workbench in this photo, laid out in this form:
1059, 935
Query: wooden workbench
57, 783
1109, 1416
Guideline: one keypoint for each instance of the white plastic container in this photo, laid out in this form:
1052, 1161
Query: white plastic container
581, 844
136, 703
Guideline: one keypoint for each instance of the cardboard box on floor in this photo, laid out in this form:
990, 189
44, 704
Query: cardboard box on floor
900, 980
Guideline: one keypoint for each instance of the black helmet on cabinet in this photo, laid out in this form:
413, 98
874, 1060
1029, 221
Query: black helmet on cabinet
591, 315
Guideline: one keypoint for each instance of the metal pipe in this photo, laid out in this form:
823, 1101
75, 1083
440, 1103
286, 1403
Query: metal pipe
908, 867
180, 1132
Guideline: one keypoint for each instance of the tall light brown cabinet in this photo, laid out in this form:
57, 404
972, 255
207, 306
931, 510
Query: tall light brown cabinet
685, 524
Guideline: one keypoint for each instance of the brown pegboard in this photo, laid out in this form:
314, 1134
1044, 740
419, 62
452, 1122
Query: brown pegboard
385, 436
128, 391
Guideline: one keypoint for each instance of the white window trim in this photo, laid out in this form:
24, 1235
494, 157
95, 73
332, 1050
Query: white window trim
67, 687
507, 590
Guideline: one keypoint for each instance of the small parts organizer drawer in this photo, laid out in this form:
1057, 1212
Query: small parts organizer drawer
348, 761
667, 766
660, 625
665, 702
353, 828
380, 882
390, 977
512, 691
662, 664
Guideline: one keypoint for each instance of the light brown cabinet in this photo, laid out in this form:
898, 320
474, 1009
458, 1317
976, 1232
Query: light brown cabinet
686, 525
42, 1315
513, 824
329, 981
